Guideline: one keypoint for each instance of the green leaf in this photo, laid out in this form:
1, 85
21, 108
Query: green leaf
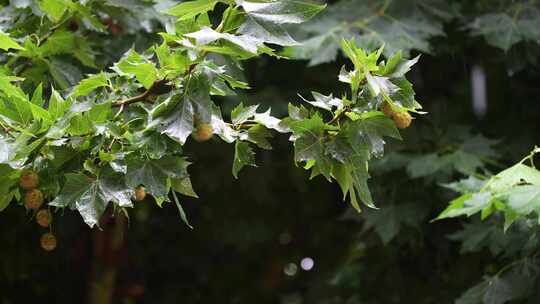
400, 68
317, 50
474, 295
506, 28
9, 180
325, 102
339, 147
357, 175
522, 199
264, 19
80, 125
370, 132
189, 9
40, 113
424, 165
499, 30
10, 90
183, 185
5, 199
380, 85
241, 114
309, 144
207, 35
467, 204
100, 113
7, 43
259, 135
234, 17
221, 128
297, 113
463, 162
155, 174
87, 85
468, 185
243, 156
270, 122
199, 95
133, 63
17, 105
174, 63
389, 220
404, 96
178, 122
281, 11
512, 176
498, 291
53, 8
514, 191
57, 105
85, 11
60, 42
37, 97
398, 25
91, 196
183, 215
64, 73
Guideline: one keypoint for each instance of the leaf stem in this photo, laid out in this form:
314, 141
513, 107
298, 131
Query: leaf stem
6, 129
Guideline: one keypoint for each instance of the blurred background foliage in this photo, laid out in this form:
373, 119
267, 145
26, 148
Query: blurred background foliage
255, 238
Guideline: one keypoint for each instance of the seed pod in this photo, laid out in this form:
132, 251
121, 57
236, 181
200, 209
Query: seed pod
203, 132
33, 199
44, 218
48, 242
386, 108
29, 180
402, 119
140, 193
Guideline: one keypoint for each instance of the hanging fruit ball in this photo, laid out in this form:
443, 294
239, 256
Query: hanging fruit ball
386, 108
33, 199
44, 218
203, 132
402, 119
140, 193
29, 180
48, 242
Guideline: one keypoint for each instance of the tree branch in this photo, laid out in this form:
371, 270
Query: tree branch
142, 96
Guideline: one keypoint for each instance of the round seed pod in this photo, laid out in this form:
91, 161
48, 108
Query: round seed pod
28, 180
44, 218
203, 132
33, 199
386, 108
402, 119
48, 241
140, 193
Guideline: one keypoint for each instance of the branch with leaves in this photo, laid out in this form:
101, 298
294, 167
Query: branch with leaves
84, 154
515, 192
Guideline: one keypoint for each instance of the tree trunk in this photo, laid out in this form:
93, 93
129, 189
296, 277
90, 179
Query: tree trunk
107, 246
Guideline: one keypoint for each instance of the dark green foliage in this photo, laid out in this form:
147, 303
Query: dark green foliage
124, 124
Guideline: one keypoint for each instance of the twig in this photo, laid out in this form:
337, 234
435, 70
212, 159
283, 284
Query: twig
6, 129
140, 97
337, 117
156, 83
40, 42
